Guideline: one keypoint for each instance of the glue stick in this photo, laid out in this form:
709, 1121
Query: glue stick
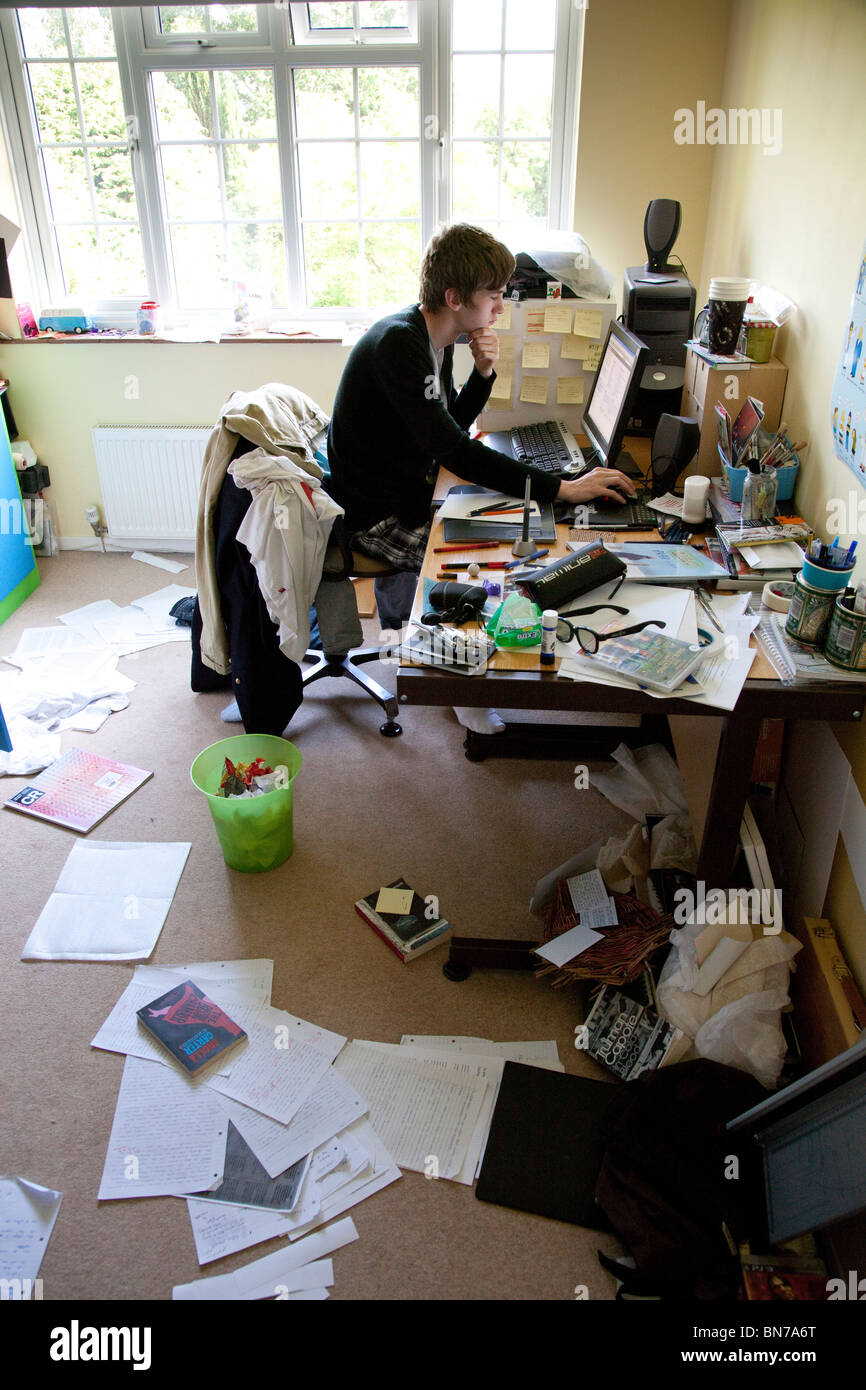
549, 619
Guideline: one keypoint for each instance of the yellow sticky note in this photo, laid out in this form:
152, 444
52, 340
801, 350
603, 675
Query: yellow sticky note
573, 347
536, 355
587, 322
506, 347
569, 390
503, 323
593, 357
502, 387
557, 318
394, 900
535, 320
534, 389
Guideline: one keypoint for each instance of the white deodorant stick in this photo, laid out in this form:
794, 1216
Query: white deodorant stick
695, 499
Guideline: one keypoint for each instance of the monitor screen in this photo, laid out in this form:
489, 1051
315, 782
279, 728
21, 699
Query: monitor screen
612, 394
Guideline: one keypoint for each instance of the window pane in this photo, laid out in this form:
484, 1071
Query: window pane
385, 14
257, 257
392, 255
183, 105
324, 102
182, 19
329, 185
54, 100
121, 263
338, 16
477, 25
191, 175
78, 256
525, 177
66, 176
112, 183
245, 104
528, 94
332, 264
91, 32
390, 180
530, 24
476, 180
252, 179
101, 101
200, 267
476, 96
42, 33
389, 101
237, 19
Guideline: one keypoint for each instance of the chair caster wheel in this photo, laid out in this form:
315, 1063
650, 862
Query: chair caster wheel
390, 729
455, 972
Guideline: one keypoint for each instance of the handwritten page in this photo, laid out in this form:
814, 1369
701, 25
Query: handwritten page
264, 1277
28, 1212
381, 1172
168, 1135
587, 323
536, 355
281, 1066
574, 347
416, 1109
355, 1163
569, 390
332, 1106
529, 1052
558, 318
122, 1031
502, 388
534, 321
109, 903
503, 323
506, 348
220, 1229
534, 389
593, 357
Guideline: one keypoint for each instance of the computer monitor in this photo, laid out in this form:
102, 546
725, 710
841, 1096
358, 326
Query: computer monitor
612, 394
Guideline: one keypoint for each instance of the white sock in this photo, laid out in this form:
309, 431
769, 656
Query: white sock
231, 714
480, 721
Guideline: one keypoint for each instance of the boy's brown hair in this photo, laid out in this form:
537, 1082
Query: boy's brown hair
465, 259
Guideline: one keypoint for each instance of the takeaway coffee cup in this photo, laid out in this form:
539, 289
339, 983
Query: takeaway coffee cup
729, 295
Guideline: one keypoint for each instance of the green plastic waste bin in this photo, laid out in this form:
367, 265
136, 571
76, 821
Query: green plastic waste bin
255, 833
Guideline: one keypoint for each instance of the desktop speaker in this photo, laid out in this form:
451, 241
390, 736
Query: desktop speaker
674, 445
661, 227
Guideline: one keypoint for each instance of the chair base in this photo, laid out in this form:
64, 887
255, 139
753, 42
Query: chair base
319, 664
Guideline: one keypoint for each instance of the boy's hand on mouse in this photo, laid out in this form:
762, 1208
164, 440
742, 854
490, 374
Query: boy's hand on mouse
604, 484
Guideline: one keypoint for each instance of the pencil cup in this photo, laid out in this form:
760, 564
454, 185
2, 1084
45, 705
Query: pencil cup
255, 833
809, 613
823, 577
846, 636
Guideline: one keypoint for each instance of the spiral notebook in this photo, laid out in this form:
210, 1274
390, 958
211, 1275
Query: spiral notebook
794, 661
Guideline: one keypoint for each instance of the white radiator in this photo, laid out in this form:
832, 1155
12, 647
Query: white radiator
149, 476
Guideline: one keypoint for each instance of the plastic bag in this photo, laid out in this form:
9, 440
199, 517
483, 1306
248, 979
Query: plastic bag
516, 623
748, 1035
673, 845
621, 861
645, 780
566, 256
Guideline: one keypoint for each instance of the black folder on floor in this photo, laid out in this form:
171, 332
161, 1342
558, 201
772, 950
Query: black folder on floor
545, 1146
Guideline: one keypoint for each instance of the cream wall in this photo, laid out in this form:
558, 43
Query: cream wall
797, 221
642, 62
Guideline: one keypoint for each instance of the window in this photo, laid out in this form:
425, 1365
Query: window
300, 152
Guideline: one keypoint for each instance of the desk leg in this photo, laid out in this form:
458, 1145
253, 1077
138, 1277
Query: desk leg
727, 799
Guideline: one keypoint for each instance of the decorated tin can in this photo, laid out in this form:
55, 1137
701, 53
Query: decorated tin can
846, 636
809, 613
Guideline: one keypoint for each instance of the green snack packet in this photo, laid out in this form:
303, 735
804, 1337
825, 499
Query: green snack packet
516, 623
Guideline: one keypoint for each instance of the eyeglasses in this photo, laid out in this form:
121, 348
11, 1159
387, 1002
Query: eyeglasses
590, 641
565, 630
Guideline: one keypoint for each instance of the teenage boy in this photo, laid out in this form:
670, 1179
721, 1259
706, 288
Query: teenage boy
398, 417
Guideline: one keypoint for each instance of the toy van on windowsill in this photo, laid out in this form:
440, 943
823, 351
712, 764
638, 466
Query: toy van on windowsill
67, 318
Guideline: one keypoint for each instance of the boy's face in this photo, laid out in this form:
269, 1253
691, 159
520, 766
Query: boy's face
481, 311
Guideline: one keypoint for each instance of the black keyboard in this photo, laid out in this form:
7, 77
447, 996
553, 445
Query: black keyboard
542, 445
634, 515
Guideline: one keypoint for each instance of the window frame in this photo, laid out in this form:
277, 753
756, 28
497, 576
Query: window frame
137, 58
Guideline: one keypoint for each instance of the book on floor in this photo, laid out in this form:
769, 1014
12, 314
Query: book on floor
78, 790
410, 924
191, 1026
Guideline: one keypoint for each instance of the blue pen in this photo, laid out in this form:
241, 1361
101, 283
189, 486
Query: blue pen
852, 547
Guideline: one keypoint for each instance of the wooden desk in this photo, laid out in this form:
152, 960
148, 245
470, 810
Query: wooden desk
515, 680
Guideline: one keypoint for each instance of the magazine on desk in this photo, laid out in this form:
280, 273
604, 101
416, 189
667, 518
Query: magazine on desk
648, 659
672, 564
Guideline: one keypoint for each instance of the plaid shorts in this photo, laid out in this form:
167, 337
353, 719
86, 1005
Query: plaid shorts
389, 540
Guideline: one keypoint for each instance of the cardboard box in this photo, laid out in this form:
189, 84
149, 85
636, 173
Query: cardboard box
830, 1010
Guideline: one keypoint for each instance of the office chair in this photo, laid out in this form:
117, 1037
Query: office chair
267, 686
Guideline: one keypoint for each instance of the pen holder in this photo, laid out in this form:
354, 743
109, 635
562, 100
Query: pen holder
846, 636
787, 478
823, 577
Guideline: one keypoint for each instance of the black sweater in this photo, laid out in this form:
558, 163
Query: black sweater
390, 431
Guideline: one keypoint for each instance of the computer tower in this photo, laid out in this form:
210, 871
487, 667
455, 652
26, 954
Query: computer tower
660, 309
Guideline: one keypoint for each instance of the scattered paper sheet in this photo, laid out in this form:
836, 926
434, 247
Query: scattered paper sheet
28, 1212
381, 1173
280, 1068
220, 1229
354, 1167
569, 944
461, 505
109, 903
245, 1182
415, 1109
331, 1107
173, 566
265, 1277
168, 1135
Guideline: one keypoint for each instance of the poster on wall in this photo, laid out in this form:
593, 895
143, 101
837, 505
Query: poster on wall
848, 406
